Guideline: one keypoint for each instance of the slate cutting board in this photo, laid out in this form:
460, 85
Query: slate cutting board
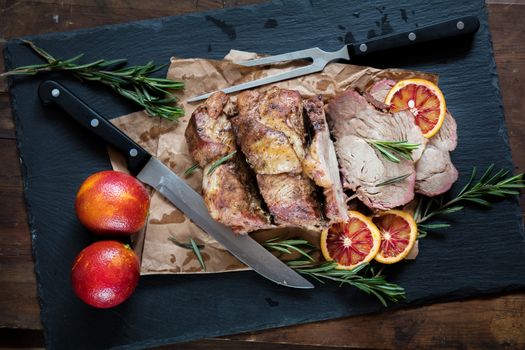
482, 253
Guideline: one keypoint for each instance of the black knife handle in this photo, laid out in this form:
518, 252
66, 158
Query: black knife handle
455, 27
51, 92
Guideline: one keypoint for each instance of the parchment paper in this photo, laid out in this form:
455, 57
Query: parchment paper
165, 140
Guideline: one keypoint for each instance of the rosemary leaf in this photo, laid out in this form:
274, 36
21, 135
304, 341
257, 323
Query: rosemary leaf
221, 161
174, 240
393, 180
133, 82
191, 170
197, 252
434, 226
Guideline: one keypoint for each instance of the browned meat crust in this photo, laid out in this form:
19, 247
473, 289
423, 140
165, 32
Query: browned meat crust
320, 163
208, 134
291, 200
232, 199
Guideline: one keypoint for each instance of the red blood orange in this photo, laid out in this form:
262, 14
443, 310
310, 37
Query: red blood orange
424, 99
351, 243
398, 235
105, 273
112, 203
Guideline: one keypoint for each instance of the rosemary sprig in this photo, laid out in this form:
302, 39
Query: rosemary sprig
373, 283
482, 191
134, 82
394, 150
217, 163
288, 246
363, 277
192, 245
393, 180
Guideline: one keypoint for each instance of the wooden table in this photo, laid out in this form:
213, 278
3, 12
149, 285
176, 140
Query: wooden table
491, 322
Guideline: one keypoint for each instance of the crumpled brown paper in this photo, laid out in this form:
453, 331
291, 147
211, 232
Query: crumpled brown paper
161, 246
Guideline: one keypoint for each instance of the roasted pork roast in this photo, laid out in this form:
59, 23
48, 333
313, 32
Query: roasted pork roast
270, 132
293, 161
229, 192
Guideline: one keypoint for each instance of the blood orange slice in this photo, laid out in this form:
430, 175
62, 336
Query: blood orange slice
424, 99
351, 243
398, 235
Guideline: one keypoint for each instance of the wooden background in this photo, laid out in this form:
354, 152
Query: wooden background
491, 322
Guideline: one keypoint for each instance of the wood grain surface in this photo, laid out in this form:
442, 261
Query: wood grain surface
488, 323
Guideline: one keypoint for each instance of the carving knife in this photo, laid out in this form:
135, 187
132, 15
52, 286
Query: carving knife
451, 28
154, 173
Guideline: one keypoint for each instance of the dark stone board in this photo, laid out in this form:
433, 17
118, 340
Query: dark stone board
482, 253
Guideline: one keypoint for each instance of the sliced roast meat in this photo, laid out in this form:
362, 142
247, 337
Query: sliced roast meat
447, 136
229, 192
291, 200
209, 135
376, 95
231, 197
354, 122
282, 110
267, 150
435, 172
380, 90
320, 163
270, 131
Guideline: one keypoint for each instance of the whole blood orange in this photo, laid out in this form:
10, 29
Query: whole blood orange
105, 273
398, 235
112, 203
350, 243
424, 99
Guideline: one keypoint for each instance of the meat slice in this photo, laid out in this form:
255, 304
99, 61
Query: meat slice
229, 192
291, 200
262, 132
379, 91
209, 135
320, 163
354, 121
231, 197
270, 132
435, 172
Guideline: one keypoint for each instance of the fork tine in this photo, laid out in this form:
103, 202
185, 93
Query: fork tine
312, 68
290, 56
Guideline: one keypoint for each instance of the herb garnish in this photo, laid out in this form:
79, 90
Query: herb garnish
394, 150
191, 245
393, 180
134, 82
191, 170
217, 163
363, 276
487, 187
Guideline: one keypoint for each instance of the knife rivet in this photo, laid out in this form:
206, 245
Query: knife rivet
412, 36
363, 47
55, 92
133, 152
460, 25
94, 123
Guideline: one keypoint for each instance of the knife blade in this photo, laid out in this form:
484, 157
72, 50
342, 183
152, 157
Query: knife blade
151, 171
455, 27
